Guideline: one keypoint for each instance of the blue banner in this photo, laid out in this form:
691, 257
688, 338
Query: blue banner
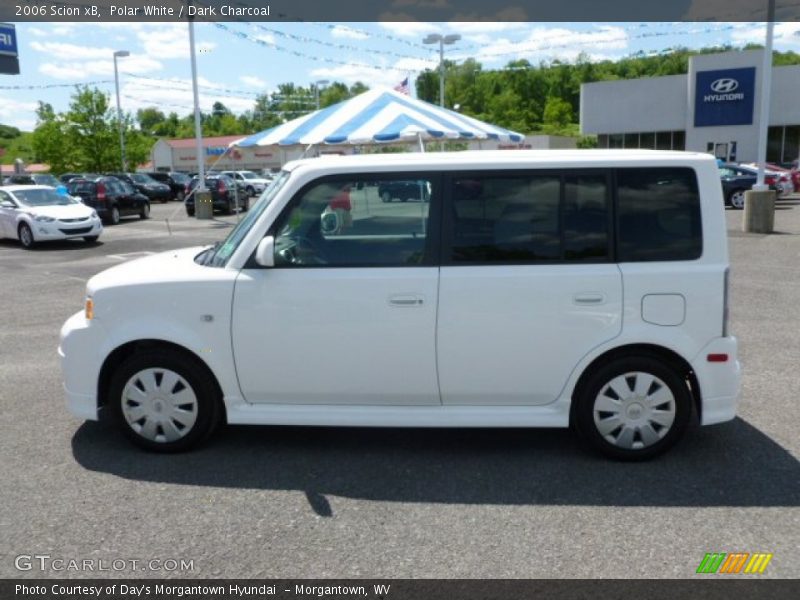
724, 97
8, 40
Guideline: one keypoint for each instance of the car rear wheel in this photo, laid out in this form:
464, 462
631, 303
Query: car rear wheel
736, 199
633, 408
190, 212
165, 401
228, 210
386, 197
145, 212
114, 217
180, 196
25, 235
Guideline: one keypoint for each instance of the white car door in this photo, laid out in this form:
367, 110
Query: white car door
348, 313
527, 287
8, 217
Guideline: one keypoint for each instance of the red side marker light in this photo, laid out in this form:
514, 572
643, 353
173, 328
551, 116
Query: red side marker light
717, 358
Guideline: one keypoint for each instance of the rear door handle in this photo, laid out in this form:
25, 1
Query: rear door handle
587, 298
406, 300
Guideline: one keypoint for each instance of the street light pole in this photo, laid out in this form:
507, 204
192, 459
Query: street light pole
198, 131
120, 54
766, 85
316, 89
432, 38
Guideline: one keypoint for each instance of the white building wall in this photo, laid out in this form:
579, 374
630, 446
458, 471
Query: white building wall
634, 105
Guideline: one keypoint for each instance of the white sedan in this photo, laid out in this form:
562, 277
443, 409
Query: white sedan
38, 213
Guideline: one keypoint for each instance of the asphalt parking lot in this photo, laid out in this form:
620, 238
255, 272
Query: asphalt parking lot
305, 502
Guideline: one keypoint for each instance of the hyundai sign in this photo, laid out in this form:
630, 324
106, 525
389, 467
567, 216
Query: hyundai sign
724, 97
9, 64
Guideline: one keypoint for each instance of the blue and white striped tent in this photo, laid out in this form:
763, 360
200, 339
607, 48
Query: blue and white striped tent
379, 115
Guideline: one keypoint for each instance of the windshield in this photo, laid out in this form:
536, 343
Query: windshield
218, 255
179, 178
46, 180
41, 197
248, 174
139, 178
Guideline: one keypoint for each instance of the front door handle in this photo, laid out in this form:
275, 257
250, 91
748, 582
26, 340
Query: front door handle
589, 298
406, 300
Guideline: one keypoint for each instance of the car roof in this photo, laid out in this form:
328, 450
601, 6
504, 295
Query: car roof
24, 188
500, 159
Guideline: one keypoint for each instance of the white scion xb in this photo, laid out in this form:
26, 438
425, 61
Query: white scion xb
522, 289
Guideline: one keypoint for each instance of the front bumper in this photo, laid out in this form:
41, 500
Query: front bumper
44, 232
720, 382
80, 364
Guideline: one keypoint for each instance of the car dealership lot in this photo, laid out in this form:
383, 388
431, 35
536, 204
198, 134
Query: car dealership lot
304, 502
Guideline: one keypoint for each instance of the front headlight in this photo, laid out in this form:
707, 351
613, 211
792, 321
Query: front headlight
43, 219
94, 214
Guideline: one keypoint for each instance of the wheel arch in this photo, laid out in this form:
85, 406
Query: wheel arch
675, 360
123, 352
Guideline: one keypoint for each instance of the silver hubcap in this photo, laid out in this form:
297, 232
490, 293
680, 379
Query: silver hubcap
25, 236
737, 200
146, 209
634, 410
115, 215
159, 405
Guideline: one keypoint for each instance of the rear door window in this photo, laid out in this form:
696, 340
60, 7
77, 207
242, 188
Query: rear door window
658, 215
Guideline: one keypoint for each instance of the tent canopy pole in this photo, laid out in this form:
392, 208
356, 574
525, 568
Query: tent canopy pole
421, 145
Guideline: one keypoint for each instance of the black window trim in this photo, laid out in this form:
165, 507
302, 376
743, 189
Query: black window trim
431, 256
448, 224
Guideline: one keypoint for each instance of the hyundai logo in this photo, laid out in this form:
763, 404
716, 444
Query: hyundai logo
726, 85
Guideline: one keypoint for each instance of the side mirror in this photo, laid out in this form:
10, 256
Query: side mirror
265, 252
7, 204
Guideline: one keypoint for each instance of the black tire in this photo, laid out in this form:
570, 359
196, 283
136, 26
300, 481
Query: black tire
25, 235
190, 212
207, 411
386, 197
180, 195
584, 412
246, 205
113, 216
90, 239
736, 199
250, 191
144, 213
228, 210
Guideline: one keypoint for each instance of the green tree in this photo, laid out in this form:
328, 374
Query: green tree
51, 143
89, 125
557, 114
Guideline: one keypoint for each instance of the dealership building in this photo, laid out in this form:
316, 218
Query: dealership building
715, 108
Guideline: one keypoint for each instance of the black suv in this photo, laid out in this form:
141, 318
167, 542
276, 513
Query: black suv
176, 181
222, 195
146, 185
110, 197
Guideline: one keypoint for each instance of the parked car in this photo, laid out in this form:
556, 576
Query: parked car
37, 213
251, 183
144, 184
781, 177
222, 196
175, 180
66, 177
736, 180
112, 198
500, 308
403, 191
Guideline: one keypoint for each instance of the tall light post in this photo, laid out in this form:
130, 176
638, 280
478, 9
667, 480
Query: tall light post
433, 38
198, 130
766, 85
316, 89
120, 54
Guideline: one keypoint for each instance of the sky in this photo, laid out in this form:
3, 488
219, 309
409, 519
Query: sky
236, 61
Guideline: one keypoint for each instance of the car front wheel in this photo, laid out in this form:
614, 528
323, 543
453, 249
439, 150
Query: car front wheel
164, 401
145, 212
25, 235
633, 408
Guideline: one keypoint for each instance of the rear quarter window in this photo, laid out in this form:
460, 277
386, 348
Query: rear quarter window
658, 215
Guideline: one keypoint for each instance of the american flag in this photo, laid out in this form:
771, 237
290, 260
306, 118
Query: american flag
402, 87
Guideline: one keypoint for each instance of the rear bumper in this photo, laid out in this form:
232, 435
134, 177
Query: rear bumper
720, 382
